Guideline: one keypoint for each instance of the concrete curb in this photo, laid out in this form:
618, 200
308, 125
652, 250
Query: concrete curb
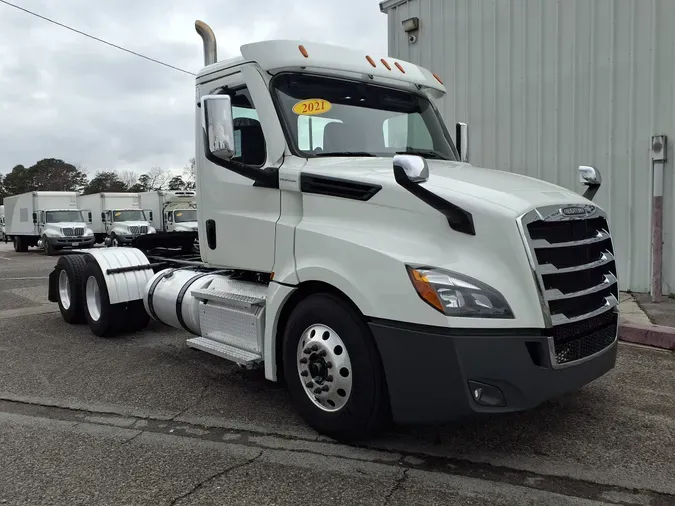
657, 336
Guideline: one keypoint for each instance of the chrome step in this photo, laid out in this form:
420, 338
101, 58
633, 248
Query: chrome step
244, 358
229, 298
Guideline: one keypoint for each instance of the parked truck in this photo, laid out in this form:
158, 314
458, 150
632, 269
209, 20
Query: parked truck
350, 249
50, 220
171, 210
115, 217
3, 237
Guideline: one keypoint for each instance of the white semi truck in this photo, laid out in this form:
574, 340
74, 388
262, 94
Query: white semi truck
350, 249
115, 217
171, 210
50, 220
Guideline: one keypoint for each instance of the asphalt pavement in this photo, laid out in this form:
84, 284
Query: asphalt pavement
143, 419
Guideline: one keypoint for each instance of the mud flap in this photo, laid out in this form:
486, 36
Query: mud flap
53, 290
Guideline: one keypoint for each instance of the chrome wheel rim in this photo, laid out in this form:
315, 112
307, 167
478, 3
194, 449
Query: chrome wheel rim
324, 367
64, 289
93, 295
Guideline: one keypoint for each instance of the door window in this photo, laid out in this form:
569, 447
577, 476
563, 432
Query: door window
249, 141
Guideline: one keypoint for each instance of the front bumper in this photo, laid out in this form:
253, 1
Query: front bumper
429, 370
74, 242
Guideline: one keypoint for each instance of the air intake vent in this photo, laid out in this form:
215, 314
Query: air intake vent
334, 187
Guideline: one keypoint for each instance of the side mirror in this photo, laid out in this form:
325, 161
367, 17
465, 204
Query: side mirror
103, 216
34, 218
410, 169
590, 177
218, 126
89, 216
462, 136
150, 215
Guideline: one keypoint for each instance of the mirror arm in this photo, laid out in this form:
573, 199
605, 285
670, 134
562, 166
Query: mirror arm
591, 191
266, 178
458, 219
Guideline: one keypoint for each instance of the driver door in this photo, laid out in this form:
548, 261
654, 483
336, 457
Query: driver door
237, 220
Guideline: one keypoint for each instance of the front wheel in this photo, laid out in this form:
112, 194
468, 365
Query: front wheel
333, 369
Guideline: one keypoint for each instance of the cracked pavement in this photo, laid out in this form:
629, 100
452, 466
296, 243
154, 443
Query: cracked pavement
143, 419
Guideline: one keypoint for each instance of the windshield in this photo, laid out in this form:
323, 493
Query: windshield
338, 117
63, 216
186, 215
129, 215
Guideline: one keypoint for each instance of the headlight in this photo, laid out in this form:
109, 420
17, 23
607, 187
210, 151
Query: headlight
88, 232
455, 294
151, 230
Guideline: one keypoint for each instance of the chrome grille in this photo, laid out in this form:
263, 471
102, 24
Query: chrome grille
73, 232
136, 229
571, 252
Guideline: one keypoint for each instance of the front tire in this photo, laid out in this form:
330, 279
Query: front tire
48, 248
333, 369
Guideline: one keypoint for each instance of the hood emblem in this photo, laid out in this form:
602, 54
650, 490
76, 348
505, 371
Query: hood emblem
571, 213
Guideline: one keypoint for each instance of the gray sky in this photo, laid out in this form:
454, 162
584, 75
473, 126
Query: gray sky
63, 95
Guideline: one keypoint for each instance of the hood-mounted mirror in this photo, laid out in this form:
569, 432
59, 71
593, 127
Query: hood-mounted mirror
591, 178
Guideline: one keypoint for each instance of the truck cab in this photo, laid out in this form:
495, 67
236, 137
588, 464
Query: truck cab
61, 228
181, 220
123, 225
348, 246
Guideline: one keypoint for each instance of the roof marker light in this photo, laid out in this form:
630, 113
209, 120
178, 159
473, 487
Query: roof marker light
437, 78
370, 60
303, 51
398, 66
384, 62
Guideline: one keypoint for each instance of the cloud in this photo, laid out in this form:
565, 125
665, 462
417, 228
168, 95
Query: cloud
63, 95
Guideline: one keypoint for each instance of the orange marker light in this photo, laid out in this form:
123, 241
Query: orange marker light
424, 289
437, 78
303, 51
370, 60
398, 66
384, 62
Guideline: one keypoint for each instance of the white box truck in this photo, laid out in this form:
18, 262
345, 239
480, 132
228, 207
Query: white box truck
3, 237
115, 217
171, 210
349, 248
49, 220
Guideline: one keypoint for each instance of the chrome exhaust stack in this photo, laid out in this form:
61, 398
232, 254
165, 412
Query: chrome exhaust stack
209, 39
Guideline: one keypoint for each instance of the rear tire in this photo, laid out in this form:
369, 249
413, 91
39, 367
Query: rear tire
20, 244
351, 369
104, 319
71, 287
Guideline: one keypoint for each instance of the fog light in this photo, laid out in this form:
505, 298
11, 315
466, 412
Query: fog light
486, 395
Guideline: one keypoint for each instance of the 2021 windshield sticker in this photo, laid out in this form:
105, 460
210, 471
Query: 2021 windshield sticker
312, 107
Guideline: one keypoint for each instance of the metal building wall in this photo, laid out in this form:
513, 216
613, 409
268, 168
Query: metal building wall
547, 85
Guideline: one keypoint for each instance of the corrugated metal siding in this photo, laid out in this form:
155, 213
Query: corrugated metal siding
547, 85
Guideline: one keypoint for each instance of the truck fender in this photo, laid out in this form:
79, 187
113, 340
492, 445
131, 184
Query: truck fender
122, 286
278, 297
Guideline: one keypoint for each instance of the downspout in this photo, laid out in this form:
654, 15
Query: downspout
659, 158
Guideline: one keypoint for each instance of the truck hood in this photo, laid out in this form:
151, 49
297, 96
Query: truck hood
456, 180
186, 226
66, 224
132, 223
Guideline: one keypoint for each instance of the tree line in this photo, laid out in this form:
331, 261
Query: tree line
52, 174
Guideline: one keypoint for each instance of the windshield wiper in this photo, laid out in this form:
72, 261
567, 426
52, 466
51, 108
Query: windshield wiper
345, 153
426, 153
